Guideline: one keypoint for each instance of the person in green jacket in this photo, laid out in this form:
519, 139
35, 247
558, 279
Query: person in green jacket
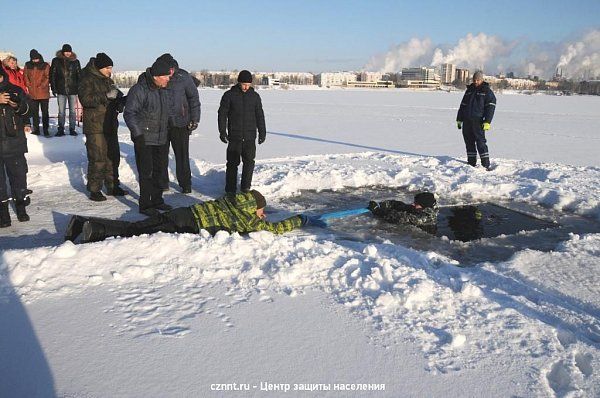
102, 101
242, 213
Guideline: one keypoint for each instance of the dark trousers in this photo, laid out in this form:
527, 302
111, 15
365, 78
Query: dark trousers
475, 141
150, 162
113, 151
236, 151
100, 168
43, 104
15, 167
180, 219
180, 141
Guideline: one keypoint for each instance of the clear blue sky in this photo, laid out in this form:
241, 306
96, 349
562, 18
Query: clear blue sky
302, 35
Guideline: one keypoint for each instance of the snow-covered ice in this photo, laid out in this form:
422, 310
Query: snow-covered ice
181, 314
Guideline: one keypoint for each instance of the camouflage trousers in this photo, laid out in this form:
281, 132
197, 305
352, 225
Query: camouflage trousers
104, 158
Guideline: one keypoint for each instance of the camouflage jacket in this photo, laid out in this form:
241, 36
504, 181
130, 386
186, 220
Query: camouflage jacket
397, 212
238, 214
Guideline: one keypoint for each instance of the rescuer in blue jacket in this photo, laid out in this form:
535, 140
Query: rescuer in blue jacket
474, 117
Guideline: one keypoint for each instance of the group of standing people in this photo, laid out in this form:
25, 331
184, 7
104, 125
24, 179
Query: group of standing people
161, 109
23, 93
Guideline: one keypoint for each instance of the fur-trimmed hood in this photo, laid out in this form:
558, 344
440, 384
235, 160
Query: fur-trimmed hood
59, 54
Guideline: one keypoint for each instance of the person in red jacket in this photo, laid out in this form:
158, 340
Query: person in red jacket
15, 74
37, 80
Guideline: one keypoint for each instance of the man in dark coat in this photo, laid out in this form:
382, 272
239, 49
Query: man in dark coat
474, 116
147, 116
65, 73
184, 116
240, 116
421, 213
242, 213
14, 115
101, 101
37, 80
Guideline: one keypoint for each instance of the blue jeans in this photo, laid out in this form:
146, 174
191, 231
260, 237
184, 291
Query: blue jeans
62, 106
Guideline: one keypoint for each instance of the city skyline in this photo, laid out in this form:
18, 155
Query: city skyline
531, 38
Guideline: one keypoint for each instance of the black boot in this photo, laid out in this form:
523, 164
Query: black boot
116, 191
92, 232
4, 215
97, 229
61, 132
21, 212
75, 227
97, 197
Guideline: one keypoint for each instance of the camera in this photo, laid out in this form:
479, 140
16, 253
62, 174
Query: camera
14, 97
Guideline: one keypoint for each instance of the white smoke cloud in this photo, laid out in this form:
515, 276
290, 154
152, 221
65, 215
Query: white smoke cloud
581, 59
473, 52
577, 58
410, 53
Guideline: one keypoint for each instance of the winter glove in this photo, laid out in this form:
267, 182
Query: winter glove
485, 126
192, 126
261, 139
223, 137
312, 221
373, 206
459, 124
113, 93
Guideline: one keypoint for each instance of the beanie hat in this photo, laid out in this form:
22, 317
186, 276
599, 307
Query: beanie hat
261, 202
66, 48
34, 54
160, 67
169, 59
245, 77
102, 61
425, 199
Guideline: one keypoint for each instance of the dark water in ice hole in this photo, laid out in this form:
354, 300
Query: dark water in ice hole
505, 227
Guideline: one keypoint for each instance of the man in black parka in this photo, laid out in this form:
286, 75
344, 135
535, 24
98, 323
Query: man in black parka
65, 72
14, 115
147, 114
474, 116
240, 116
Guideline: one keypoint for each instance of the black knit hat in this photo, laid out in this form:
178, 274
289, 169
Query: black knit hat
102, 61
245, 77
425, 199
169, 59
66, 48
160, 67
34, 54
261, 202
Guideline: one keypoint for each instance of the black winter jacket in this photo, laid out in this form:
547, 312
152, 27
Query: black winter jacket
184, 101
147, 111
241, 114
478, 103
12, 121
65, 74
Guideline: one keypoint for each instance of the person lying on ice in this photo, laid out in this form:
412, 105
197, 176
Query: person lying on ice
423, 212
242, 213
